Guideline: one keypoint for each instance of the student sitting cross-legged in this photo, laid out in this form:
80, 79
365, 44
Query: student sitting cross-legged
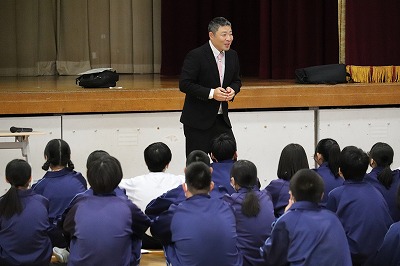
24, 220
200, 230
254, 211
360, 207
307, 234
104, 228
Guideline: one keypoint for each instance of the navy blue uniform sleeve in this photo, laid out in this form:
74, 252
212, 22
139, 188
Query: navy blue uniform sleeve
161, 226
140, 221
275, 249
163, 202
388, 253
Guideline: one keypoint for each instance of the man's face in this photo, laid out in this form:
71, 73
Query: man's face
222, 39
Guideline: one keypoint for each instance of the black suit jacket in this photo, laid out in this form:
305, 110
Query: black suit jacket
199, 75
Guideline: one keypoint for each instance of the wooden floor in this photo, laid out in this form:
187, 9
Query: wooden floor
142, 93
154, 258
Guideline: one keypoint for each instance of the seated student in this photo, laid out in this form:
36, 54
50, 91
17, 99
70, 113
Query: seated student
383, 178
142, 189
104, 229
326, 156
388, 254
306, 234
293, 158
24, 220
60, 184
177, 195
253, 209
360, 207
223, 154
200, 230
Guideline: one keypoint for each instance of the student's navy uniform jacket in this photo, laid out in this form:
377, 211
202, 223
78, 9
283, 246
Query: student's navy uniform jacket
279, 191
330, 181
105, 230
307, 235
364, 214
23, 237
221, 174
389, 252
60, 187
252, 231
199, 231
176, 196
390, 194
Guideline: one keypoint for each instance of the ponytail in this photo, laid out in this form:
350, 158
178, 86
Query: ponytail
46, 165
386, 177
250, 204
70, 165
18, 173
333, 159
10, 203
383, 154
330, 151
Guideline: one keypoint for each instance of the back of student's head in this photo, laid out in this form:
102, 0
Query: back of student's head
383, 154
157, 156
104, 174
353, 163
197, 156
18, 174
57, 153
307, 185
244, 173
293, 158
330, 151
198, 177
223, 147
95, 155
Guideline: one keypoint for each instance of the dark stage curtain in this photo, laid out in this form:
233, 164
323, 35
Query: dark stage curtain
272, 38
372, 32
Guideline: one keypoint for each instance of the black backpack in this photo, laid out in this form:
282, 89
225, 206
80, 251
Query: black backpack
103, 79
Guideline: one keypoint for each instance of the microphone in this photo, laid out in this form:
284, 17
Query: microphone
20, 129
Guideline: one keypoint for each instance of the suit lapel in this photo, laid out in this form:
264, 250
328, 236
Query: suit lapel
212, 62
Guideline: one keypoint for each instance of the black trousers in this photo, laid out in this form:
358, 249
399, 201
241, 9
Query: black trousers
197, 139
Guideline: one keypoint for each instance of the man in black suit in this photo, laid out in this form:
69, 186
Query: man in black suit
210, 78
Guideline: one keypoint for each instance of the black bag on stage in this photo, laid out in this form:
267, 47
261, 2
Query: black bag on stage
103, 79
322, 74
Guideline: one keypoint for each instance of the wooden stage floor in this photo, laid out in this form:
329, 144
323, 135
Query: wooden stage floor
148, 92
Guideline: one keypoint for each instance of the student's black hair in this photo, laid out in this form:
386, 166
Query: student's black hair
157, 155
353, 163
383, 155
307, 185
293, 158
244, 173
198, 177
58, 153
104, 174
216, 23
223, 147
330, 151
197, 156
95, 155
18, 173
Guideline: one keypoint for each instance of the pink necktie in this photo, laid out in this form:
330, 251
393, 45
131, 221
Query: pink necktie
221, 74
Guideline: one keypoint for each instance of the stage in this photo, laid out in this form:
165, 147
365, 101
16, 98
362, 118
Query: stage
148, 92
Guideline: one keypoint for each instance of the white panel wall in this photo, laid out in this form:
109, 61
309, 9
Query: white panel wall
362, 128
50, 125
261, 136
125, 136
